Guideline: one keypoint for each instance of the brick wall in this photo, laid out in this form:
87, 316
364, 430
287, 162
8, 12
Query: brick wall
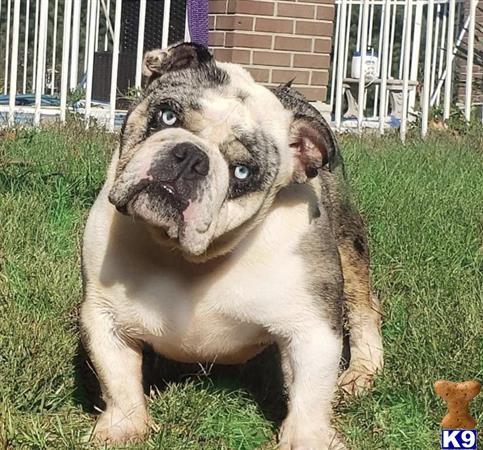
276, 41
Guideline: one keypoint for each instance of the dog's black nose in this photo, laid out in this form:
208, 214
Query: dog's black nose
192, 162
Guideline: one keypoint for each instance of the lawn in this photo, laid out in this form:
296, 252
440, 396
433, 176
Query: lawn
423, 204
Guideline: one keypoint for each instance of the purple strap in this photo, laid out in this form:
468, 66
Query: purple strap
198, 21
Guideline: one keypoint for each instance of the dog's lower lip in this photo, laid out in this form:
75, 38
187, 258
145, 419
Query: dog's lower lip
159, 188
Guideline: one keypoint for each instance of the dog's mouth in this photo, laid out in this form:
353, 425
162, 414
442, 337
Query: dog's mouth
167, 191
160, 193
173, 210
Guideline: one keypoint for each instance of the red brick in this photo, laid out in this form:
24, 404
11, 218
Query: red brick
253, 7
313, 28
234, 23
216, 38
217, 6
283, 76
259, 75
313, 93
312, 61
293, 43
274, 25
330, 2
236, 39
325, 13
271, 59
323, 45
319, 78
232, 55
296, 10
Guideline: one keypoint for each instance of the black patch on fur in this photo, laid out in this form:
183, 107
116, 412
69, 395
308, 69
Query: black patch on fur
186, 55
264, 163
359, 245
325, 283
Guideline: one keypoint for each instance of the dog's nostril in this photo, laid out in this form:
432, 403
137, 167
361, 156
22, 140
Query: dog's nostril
202, 167
191, 160
179, 152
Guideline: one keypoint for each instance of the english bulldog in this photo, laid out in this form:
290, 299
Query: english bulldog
225, 225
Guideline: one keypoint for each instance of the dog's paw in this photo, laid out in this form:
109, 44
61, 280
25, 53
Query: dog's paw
291, 438
356, 380
115, 427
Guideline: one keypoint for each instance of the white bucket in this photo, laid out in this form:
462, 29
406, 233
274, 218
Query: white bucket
371, 65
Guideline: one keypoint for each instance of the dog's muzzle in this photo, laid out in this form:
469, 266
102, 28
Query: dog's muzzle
175, 177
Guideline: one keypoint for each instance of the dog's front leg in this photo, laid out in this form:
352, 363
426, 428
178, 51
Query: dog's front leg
118, 366
313, 355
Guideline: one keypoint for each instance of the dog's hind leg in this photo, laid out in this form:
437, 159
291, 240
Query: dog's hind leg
363, 313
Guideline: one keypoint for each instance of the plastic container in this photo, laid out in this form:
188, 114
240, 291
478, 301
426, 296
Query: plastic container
371, 65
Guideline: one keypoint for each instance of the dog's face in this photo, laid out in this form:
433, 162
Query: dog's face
205, 151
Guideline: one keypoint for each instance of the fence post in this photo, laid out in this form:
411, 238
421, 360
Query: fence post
41, 53
449, 60
36, 44
362, 63
74, 60
54, 46
90, 56
435, 46
7, 47
166, 13
334, 59
470, 56
115, 63
427, 69
340, 64
416, 45
408, 15
14, 65
26, 46
385, 62
64, 82
140, 47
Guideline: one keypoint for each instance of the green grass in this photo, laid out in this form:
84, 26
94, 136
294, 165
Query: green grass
423, 204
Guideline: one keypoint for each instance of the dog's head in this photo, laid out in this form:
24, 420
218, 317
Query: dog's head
205, 150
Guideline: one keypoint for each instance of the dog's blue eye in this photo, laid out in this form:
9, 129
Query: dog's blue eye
241, 172
168, 117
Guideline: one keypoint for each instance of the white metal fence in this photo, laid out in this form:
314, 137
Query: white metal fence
47, 48
48, 51
396, 57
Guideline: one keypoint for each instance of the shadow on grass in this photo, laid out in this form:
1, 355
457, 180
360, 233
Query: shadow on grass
87, 390
260, 377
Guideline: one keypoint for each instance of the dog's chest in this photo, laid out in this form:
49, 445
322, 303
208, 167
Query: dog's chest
224, 310
227, 306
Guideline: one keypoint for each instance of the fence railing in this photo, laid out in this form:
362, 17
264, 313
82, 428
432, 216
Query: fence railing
60, 55
394, 60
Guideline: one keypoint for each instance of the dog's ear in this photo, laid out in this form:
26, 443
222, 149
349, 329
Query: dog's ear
177, 57
311, 139
313, 146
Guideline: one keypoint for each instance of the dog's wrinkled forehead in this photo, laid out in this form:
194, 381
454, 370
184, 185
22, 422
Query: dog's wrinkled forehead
216, 101
241, 104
